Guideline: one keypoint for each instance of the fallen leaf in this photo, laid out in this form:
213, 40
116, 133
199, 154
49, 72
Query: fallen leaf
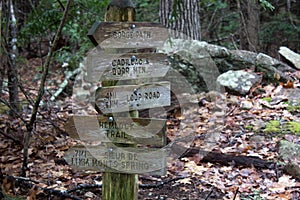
288, 84
185, 181
32, 193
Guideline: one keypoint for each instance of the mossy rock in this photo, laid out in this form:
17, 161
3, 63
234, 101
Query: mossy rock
288, 150
294, 107
275, 126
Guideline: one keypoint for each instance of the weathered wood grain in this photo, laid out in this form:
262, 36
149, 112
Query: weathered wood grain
117, 159
124, 130
133, 97
128, 34
102, 66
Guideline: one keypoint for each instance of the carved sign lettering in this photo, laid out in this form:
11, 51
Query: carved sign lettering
114, 159
103, 66
124, 130
133, 97
128, 34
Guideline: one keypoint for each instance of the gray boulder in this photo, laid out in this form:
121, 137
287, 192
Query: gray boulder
291, 56
239, 81
201, 63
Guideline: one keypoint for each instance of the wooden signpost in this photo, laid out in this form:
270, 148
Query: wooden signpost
126, 66
122, 136
114, 159
133, 97
128, 35
123, 130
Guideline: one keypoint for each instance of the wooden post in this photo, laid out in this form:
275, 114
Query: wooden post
120, 186
120, 11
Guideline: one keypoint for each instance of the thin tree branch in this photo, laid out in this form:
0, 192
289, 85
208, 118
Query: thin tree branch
41, 90
13, 110
61, 5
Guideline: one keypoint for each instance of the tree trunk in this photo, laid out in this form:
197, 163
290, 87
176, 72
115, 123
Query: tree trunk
12, 71
2, 70
249, 24
182, 16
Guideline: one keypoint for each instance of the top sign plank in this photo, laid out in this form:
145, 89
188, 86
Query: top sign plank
128, 35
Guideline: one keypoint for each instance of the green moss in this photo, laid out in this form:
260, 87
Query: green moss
3, 108
273, 126
249, 127
293, 127
254, 196
294, 108
267, 99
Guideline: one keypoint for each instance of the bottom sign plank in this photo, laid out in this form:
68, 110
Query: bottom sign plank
117, 159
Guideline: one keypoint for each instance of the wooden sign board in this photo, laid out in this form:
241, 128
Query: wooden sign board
133, 97
123, 130
117, 159
102, 66
128, 34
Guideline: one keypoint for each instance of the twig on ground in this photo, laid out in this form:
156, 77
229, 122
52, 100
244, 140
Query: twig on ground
51, 191
161, 183
209, 194
236, 193
84, 186
60, 193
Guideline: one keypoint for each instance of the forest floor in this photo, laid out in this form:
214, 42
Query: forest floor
246, 131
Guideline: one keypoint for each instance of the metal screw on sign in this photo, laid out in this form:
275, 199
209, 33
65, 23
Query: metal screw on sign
133, 26
110, 119
133, 58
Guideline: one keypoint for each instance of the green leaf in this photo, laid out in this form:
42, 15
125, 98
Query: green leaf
266, 5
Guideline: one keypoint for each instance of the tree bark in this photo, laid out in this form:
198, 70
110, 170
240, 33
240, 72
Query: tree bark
249, 24
182, 16
12, 71
2, 70
119, 10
